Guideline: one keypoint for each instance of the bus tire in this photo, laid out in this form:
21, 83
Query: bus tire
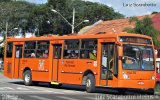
27, 78
90, 83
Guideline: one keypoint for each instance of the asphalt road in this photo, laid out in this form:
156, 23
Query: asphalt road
14, 89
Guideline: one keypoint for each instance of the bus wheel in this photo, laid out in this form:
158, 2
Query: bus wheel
90, 83
27, 77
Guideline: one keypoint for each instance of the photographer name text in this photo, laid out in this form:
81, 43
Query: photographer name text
139, 4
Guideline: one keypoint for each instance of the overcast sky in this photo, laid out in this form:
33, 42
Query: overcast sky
118, 6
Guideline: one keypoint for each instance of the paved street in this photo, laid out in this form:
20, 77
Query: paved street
13, 89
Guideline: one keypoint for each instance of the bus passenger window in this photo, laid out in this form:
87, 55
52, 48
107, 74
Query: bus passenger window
42, 49
9, 50
89, 49
18, 52
71, 49
45, 54
33, 54
39, 54
57, 51
93, 54
30, 49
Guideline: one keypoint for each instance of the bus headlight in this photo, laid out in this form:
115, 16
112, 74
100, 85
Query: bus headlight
152, 78
125, 76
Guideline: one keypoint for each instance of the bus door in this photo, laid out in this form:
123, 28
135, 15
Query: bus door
57, 48
18, 57
108, 56
8, 57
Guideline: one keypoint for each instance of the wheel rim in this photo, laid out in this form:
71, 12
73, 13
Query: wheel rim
27, 78
88, 83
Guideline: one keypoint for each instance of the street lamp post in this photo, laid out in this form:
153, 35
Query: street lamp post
6, 28
73, 19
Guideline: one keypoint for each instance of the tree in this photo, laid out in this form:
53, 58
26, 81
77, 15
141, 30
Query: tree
39, 16
5, 0
14, 12
145, 27
84, 10
29, 16
154, 12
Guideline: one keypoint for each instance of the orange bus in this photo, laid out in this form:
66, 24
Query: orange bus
118, 61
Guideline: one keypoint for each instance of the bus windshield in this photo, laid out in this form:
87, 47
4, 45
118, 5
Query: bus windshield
137, 57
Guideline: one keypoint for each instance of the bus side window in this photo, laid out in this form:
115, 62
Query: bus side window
42, 49
9, 50
18, 52
89, 49
30, 49
57, 51
71, 49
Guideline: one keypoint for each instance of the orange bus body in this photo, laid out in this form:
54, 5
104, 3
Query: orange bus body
75, 70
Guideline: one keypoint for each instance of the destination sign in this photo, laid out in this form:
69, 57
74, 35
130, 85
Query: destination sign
135, 40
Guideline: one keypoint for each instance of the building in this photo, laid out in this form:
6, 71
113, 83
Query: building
118, 25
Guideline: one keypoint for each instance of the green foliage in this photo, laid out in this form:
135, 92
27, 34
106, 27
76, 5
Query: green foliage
84, 10
1, 52
39, 16
31, 16
157, 88
154, 12
133, 19
15, 13
5, 0
145, 27
129, 30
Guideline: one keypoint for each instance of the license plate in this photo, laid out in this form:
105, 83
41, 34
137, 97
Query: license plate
141, 83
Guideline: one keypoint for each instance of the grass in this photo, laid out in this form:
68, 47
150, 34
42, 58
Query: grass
1, 71
157, 89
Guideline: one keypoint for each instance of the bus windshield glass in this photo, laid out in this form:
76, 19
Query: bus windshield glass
137, 57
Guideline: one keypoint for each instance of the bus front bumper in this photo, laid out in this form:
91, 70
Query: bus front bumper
139, 84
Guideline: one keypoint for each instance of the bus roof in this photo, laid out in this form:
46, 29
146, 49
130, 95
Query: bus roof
82, 36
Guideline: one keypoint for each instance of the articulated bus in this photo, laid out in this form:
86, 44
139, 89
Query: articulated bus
121, 61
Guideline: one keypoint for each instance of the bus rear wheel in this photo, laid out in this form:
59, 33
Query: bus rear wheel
90, 83
27, 78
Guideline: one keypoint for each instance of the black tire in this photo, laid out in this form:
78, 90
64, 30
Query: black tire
27, 78
90, 83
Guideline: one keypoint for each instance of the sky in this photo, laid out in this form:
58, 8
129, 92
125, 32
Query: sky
133, 9
121, 6
37, 1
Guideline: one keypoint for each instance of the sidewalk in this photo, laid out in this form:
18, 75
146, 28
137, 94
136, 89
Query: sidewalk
157, 93
6, 79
